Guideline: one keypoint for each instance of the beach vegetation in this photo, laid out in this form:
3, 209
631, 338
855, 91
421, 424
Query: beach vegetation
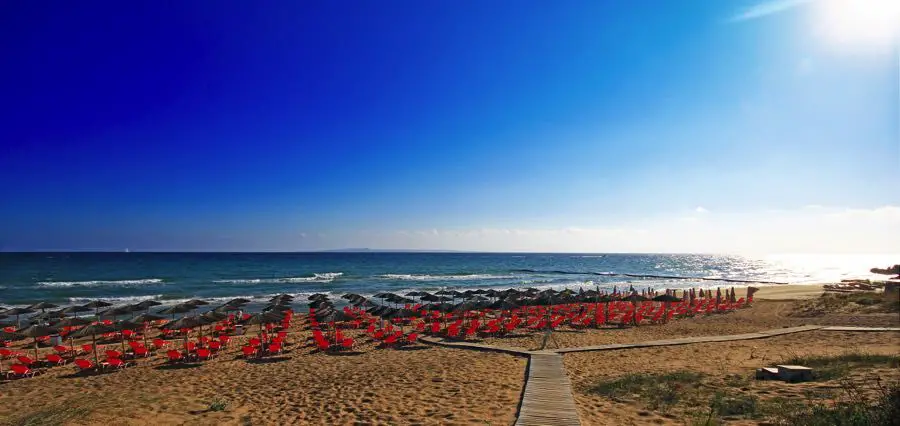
830, 367
861, 302
658, 391
217, 405
857, 408
56, 415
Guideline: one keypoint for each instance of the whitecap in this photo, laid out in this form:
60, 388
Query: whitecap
115, 300
426, 277
316, 278
99, 283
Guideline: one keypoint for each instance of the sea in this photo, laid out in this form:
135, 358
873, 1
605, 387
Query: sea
78, 277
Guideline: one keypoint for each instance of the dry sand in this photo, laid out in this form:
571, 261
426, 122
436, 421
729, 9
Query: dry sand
728, 366
426, 384
789, 292
764, 315
418, 385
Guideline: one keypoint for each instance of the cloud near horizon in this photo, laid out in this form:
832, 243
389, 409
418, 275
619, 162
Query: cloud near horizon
768, 8
813, 229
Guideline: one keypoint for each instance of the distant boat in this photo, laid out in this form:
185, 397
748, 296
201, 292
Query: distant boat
127, 251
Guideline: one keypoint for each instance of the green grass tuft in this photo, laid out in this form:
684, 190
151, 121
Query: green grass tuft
658, 391
830, 367
58, 415
217, 405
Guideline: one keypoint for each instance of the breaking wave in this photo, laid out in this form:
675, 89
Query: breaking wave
99, 283
316, 278
426, 277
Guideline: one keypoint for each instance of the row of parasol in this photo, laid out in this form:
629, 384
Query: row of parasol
49, 323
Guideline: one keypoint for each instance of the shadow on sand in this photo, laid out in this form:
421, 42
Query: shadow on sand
183, 366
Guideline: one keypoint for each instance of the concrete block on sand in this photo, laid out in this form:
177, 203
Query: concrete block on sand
794, 373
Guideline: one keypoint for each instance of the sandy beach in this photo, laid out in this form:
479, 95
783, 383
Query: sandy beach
726, 367
789, 292
415, 385
426, 384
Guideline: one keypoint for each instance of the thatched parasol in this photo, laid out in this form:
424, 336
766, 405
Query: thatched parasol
36, 331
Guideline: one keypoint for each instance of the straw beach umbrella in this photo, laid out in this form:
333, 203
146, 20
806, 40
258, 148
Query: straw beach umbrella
146, 319
75, 309
180, 308
147, 304
114, 312
96, 305
18, 312
666, 299
185, 323
71, 322
93, 330
634, 298
36, 331
43, 306
126, 325
264, 318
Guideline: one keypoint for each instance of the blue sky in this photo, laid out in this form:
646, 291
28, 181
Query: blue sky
502, 125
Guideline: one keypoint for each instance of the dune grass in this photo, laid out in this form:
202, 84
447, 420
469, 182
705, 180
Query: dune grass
658, 391
830, 367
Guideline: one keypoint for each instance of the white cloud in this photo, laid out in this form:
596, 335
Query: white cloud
701, 209
813, 229
768, 8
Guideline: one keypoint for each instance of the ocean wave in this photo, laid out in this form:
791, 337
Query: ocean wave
316, 278
116, 300
99, 283
426, 277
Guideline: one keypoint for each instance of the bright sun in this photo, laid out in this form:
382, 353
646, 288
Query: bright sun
868, 23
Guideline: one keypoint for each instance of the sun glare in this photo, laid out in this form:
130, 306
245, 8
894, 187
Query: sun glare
859, 23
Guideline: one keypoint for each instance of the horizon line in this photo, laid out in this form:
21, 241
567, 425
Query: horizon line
435, 251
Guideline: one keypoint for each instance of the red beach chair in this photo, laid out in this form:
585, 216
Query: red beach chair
174, 356
117, 363
21, 371
7, 353
274, 348
26, 361
141, 351
204, 354
248, 351
85, 366
347, 344
55, 359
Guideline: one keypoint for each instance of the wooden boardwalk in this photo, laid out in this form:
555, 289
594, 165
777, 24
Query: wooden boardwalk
843, 328
476, 346
690, 340
547, 399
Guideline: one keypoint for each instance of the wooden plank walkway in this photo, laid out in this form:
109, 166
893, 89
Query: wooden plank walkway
476, 346
846, 328
690, 340
547, 400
